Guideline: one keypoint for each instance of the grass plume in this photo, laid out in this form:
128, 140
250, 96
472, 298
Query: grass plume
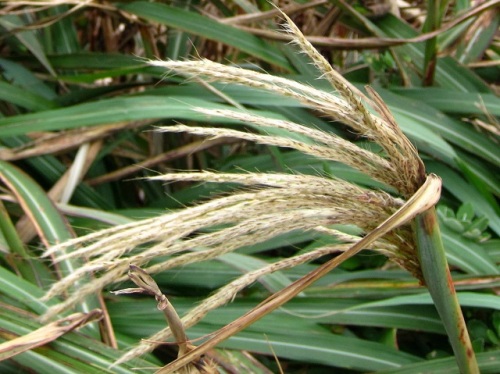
270, 204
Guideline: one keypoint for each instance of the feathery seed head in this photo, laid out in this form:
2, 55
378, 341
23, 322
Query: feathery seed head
272, 204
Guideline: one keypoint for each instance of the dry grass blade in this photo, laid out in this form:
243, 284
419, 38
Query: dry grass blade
170, 155
62, 190
47, 333
58, 142
254, 17
373, 42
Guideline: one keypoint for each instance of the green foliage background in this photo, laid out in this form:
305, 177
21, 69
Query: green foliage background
77, 95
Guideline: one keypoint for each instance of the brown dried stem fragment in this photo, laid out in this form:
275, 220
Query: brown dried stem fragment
148, 286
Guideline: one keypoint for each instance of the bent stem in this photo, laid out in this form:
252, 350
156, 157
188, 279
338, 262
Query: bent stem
148, 286
440, 285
